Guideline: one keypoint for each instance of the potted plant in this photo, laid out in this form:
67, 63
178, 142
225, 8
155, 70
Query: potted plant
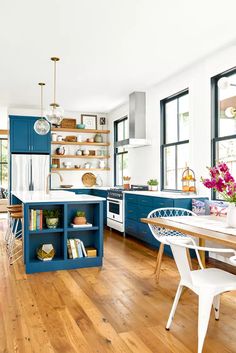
152, 184
52, 218
80, 218
224, 183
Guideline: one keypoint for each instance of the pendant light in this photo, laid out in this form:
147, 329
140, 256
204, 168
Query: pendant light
41, 126
55, 114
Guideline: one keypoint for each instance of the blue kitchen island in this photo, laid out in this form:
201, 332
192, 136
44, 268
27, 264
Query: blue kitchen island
67, 203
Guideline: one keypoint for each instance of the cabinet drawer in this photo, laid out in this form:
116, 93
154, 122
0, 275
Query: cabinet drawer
145, 200
160, 202
131, 211
144, 211
131, 227
131, 198
146, 235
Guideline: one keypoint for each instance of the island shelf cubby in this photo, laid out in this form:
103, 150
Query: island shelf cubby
91, 236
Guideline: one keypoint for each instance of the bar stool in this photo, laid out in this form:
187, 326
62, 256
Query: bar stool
11, 209
14, 250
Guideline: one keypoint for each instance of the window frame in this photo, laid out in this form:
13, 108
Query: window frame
1, 162
164, 145
116, 153
215, 118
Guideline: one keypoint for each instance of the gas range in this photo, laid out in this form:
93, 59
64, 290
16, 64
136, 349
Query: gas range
117, 193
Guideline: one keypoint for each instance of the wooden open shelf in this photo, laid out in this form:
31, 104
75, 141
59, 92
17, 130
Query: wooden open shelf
79, 169
81, 143
85, 131
56, 156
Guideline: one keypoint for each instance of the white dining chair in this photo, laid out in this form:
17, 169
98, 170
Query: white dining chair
207, 283
160, 234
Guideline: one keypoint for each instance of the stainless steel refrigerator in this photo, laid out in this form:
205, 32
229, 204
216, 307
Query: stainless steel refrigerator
29, 172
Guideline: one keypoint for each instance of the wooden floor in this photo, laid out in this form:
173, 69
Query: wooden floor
118, 308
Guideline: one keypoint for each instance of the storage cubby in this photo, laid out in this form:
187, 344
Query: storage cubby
91, 213
43, 207
90, 238
56, 239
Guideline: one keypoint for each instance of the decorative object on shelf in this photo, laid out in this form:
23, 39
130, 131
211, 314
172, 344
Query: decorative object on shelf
46, 252
152, 185
55, 114
88, 179
126, 182
60, 150
79, 138
102, 121
65, 186
87, 165
99, 181
90, 139
188, 181
85, 152
90, 121
223, 183
55, 163
59, 138
52, 218
79, 218
68, 123
80, 126
77, 166
67, 164
79, 152
91, 252
54, 136
101, 164
41, 126
71, 138
99, 153
92, 152
98, 138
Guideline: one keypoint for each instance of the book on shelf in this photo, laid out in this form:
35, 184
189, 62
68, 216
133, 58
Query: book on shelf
81, 225
76, 249
36, 219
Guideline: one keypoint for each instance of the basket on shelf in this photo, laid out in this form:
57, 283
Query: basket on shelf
188, 181
68, 123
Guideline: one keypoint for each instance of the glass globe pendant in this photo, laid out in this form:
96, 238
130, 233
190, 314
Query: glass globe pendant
55, 114
41, 126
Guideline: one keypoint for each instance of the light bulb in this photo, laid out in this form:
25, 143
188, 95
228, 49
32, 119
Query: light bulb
55, 115
41, 126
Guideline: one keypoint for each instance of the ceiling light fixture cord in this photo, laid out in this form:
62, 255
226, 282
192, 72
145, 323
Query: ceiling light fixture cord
55, 81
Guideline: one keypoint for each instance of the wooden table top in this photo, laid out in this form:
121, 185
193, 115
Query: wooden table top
204, 227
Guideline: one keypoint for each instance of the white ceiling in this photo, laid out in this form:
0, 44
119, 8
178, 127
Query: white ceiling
108, 48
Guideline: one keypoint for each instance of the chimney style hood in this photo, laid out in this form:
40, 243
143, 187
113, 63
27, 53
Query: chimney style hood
137, 122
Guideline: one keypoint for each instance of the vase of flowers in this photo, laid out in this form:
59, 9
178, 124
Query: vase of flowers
224, 183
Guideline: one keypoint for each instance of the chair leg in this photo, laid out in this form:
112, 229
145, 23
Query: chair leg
158, 262
216, 306
204, 311
174, 306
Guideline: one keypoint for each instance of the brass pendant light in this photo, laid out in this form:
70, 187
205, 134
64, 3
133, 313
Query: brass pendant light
55, 114
41, 126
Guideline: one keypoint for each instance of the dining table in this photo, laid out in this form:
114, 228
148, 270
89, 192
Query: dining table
206, 228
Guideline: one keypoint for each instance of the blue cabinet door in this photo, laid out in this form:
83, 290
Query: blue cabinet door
23, 138
19, 135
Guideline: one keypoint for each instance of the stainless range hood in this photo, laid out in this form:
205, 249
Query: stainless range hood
137, 122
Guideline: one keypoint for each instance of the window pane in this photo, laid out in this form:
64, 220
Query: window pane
182, 162
119, 169
3, 163
226, 152
226, 106
126, 129
169, 167
184, 118
171, 121
120, 131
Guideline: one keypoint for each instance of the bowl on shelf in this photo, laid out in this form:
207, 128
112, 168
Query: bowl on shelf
54, 165
80, 126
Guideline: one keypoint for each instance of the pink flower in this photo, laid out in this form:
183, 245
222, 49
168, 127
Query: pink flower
220, 185
228, 177
208, 183
223, 167
214, 172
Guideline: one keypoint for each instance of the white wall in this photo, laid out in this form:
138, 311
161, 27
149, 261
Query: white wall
3, 118
144, 162
69, 177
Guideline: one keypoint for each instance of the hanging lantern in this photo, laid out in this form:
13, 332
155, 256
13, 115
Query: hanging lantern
41, 126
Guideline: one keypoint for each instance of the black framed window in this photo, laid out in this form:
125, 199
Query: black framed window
174, 140
3, 162
224, 119
121, 132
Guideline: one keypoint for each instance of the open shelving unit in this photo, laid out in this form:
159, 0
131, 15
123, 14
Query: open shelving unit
91, 236
56, 156
77, 169
81, 131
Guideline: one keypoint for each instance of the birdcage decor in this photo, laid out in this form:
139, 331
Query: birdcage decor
188, 181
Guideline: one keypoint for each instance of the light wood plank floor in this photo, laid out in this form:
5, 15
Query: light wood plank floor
118, 308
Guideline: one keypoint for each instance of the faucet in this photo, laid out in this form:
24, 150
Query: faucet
47, 180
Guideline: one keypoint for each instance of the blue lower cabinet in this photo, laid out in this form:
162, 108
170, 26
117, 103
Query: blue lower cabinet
146, 235
162, 202
131, 212
102, 193
83, 191
183, 203
131, 227
143, 212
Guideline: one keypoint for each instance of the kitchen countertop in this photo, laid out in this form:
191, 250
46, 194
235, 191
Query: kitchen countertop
84, 187
53, 196
168, 195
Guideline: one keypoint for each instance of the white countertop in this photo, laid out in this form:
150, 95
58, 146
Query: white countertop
168, 195
54, 196
84, 187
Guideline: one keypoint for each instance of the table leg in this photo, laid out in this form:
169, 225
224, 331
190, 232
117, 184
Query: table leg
202, 243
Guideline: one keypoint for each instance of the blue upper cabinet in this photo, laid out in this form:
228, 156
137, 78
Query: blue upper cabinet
23, 138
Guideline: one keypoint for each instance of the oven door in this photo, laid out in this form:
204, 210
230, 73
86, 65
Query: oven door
115, 209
